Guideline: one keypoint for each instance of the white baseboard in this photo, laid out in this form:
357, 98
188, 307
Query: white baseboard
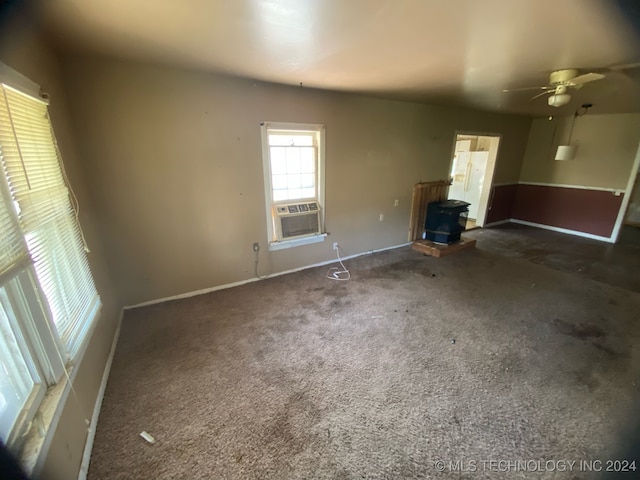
499, 222
564, 230
86, 457
554, 229
195, 293
255, 279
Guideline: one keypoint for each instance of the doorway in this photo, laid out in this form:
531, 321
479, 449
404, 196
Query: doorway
472, 165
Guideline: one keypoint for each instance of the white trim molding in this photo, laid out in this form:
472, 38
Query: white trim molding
88, 447
256, 279
561, 185
577, 187
577, 233
296, 242
627, 197
499, 222
564, 230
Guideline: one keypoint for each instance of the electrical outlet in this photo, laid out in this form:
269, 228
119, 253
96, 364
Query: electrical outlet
335, 245
256, 247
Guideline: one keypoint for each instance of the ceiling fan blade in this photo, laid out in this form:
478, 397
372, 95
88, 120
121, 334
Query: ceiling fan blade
585, 78
525, 88
542, 94
626, 66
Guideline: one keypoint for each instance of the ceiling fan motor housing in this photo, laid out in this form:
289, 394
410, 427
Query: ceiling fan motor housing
559, 100
560, 80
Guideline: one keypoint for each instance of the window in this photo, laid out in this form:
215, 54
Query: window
48, 300
293, 161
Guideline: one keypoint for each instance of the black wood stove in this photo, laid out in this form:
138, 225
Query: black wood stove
446, 220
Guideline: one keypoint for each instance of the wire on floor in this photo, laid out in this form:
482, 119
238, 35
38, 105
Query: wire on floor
335, 273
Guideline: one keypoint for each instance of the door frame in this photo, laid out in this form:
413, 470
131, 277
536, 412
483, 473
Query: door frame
626, 198
485, 195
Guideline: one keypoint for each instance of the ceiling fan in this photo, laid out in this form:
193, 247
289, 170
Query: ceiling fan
560, 82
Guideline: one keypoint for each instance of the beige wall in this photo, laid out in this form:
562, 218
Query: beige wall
21, 49
607, 146
174, 160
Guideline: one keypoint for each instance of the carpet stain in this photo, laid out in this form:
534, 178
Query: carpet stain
605, 349
396, 271
300, 377
292, 426
582, 332
598, 338
586, 377
531, 253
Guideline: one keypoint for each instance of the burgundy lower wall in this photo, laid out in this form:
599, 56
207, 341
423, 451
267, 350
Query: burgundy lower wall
501, 205
588, 211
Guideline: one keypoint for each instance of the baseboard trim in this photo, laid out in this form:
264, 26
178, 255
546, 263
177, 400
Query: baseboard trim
496, 223
564, 230
256, 279
86, 456
195, 293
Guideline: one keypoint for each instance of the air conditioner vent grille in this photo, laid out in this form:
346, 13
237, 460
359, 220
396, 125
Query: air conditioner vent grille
296, 220
297, 225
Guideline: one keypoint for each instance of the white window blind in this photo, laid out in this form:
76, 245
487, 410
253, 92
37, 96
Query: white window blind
13, 251
46, 218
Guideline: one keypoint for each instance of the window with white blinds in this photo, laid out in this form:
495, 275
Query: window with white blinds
43, 219
13, 252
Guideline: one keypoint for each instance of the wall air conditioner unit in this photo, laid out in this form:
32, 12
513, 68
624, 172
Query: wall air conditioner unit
293, 220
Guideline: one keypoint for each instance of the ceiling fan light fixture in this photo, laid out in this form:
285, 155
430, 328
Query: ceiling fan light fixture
559, 100
565, 152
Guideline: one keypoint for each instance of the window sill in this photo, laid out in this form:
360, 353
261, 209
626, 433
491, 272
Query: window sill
273, 246
48, 413
39, 437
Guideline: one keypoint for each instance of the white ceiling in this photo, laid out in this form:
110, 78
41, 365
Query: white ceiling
443, 51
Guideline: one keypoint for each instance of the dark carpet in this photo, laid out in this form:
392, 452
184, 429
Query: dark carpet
466, 359
615, 264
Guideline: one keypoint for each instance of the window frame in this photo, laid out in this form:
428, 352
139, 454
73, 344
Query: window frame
294, 128
52, 357
37, 344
